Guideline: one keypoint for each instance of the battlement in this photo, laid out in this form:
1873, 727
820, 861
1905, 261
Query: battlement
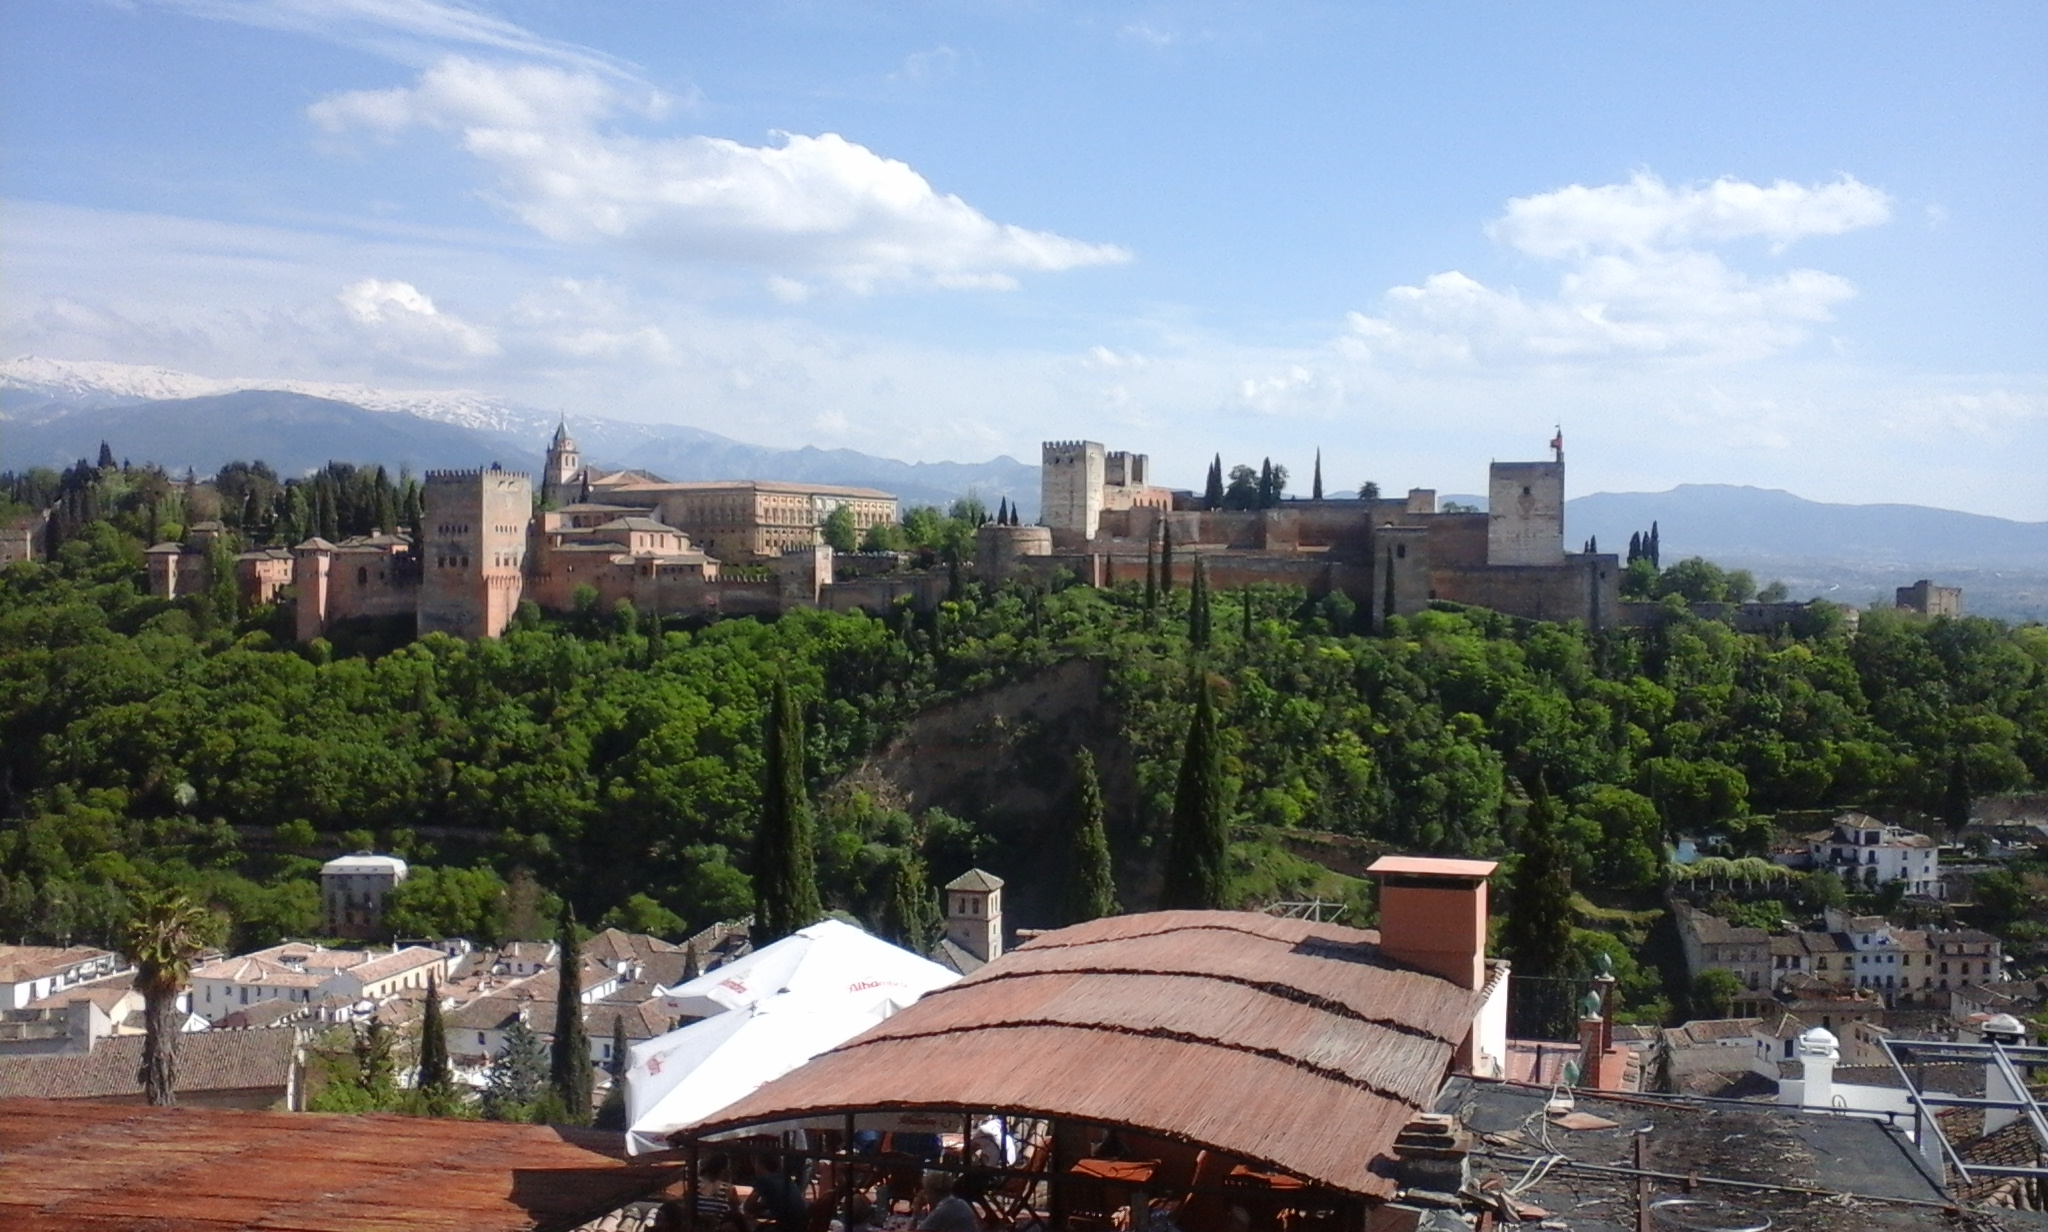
1067, 446
472, 476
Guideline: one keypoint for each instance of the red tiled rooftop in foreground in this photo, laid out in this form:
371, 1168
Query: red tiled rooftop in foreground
91, 1167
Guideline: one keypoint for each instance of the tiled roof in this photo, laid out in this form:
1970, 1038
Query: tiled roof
975, 879
411, 958
106, 993
207, 1061
75, 1166
22, 963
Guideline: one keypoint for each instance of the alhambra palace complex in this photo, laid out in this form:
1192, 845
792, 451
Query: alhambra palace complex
756, 548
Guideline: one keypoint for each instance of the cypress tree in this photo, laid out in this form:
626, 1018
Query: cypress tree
1266, 484
1539, 932
434, 1078
910, 917
1635, 547
1151, 579
106, 457
1091, 886
569, 1060
518, 1075
1199, 625
1955, 798
785, 866
1656, 557
1166, 559
1316, 492
1197, 857
1212, 496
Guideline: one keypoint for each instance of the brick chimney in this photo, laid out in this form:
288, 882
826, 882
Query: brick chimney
1433, 915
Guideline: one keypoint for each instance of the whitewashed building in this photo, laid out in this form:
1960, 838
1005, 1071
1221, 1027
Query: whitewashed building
1866, 852
304, 973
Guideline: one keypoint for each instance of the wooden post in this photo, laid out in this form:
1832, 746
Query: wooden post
690, 1190
846, 1178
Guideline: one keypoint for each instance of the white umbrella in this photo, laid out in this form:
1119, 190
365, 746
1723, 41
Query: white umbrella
681, 1078
829, 957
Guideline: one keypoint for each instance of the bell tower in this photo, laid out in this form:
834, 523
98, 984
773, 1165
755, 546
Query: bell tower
974, 914
565, 466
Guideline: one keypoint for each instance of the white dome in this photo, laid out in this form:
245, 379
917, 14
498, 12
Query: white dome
1819, 1042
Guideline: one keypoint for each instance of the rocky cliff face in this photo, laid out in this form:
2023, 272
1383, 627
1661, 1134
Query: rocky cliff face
1004, 759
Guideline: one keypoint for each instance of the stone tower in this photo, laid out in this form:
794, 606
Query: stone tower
974, 914
475, 551
1525, 513
1070, 484
558, 483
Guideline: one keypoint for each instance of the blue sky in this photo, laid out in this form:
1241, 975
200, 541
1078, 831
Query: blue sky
1794, 245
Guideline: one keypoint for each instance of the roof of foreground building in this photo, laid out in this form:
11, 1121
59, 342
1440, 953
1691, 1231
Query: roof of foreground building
1242, 1032
82, 1166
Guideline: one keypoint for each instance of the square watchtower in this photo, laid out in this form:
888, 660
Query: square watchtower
473, 554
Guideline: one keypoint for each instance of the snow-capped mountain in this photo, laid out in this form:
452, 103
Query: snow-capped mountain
53, 412
75, 384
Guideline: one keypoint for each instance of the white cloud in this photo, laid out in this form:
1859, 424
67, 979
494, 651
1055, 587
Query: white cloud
938, 64
818, 205
1646, 215
398, 317
1637, 282
410, 31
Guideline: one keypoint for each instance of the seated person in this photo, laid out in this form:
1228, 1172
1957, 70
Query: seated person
951, 1208
714, 1190
778, 1199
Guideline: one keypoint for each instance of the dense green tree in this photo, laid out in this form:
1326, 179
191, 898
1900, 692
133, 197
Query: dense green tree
1201, 624
433, 903
1212, 491
1713, 993
611, 1114
1089, 890
910, 915
569, 1058
1538, 935
518, 1075
1197, 858
785, 864
839, 530
1166, 557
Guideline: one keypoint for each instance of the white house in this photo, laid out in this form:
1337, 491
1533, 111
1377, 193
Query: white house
304, 973
33, 972
1866, 852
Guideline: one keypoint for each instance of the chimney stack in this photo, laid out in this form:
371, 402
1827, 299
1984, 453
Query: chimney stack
1433, 915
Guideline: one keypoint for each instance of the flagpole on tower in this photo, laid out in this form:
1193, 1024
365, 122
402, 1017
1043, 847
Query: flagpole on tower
1557, 443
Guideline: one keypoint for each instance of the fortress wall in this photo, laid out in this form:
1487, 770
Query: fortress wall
1458, 539
1584, 588
876, 595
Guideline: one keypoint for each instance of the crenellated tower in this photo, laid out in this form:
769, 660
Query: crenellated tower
1070, 483
474, 556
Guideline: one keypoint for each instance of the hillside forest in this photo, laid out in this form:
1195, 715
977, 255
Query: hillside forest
617, 762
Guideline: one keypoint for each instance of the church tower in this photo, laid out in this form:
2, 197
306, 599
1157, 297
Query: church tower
564, 470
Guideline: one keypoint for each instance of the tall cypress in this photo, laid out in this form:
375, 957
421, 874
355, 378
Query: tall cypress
1166, 559
569, 1060
1316, 492
1199, 624
611, 1114
1955, 798
1539, 931
1656, 558
1266, 484
910, 916
1198, 853
1090, 891
785, 866
1151, 579
1212, 496
434, 1077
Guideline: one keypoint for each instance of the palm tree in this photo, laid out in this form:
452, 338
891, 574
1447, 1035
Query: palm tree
167, 932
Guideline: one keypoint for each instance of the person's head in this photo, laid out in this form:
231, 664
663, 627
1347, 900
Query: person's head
670, 1217
936, 1186
714, 1167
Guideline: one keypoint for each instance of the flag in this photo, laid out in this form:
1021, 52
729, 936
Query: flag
1557, 442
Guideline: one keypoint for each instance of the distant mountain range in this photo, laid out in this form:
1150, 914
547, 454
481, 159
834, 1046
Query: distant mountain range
53, 412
